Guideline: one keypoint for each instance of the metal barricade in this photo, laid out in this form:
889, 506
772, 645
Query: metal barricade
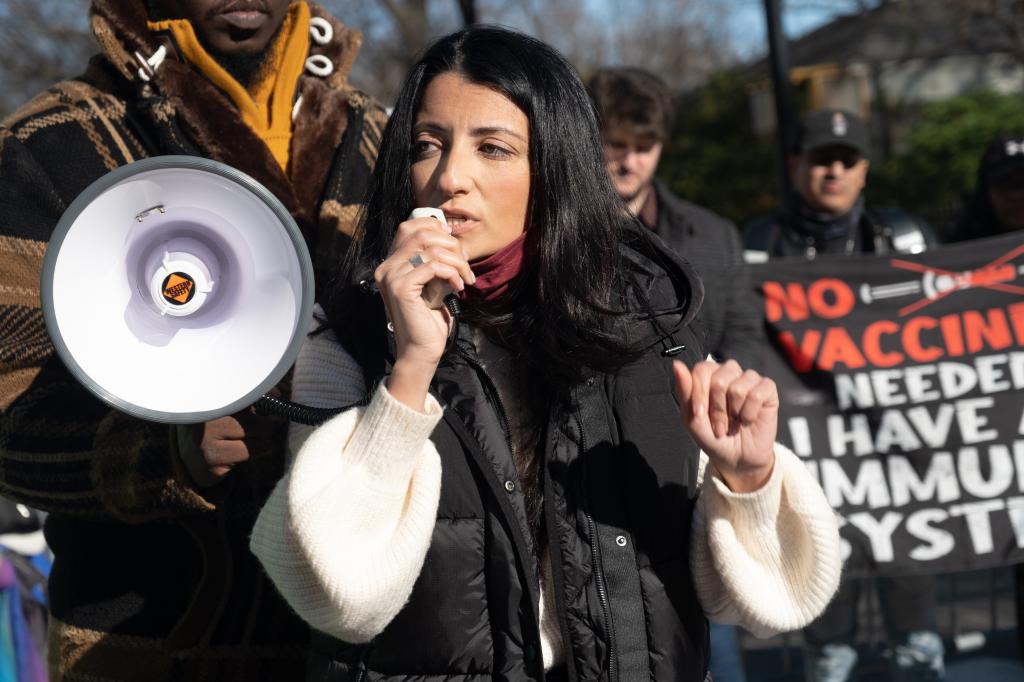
976, 615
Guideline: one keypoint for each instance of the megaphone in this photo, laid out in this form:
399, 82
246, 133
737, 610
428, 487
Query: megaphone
177, 289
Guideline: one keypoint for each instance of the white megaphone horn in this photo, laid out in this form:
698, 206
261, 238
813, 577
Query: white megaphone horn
177, 289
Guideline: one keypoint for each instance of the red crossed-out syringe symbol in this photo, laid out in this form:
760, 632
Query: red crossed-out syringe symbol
937, 283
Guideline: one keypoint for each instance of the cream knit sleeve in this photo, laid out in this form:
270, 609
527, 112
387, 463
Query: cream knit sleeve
344, 534
767, 560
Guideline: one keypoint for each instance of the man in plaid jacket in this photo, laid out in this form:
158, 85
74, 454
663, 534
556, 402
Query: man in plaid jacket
152, 578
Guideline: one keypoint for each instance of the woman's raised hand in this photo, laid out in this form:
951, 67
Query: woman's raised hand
423, 250
733, 415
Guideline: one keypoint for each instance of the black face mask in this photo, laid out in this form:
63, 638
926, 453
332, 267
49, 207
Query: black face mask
826, 227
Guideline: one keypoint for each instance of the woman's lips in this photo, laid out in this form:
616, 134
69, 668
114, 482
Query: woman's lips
459, 221
245, 20
462, 225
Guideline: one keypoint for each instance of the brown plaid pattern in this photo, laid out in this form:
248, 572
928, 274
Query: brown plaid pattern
115, 485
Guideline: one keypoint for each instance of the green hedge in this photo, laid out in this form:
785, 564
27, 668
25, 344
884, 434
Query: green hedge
715, 159
939, 164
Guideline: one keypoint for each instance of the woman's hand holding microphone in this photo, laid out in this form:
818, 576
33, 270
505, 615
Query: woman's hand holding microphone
423, 251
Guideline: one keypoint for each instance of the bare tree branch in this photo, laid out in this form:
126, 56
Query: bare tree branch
43, 43
681, 40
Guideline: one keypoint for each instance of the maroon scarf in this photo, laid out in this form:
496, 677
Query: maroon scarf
495, 272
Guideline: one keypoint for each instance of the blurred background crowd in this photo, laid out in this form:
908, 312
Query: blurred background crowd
935, 81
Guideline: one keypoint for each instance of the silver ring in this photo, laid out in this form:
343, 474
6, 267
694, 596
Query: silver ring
417, 260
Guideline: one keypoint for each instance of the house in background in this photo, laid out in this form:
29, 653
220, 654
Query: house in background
884, 63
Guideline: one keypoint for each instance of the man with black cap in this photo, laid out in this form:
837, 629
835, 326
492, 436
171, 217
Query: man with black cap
996, 207
997, 204
829, 168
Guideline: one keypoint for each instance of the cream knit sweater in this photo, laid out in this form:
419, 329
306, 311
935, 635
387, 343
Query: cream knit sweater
345, 532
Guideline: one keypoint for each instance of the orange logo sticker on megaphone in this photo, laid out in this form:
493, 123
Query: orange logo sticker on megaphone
178, 288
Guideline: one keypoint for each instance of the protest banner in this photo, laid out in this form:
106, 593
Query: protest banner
902, 387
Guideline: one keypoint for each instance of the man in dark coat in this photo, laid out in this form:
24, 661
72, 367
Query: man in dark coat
636, 115
829, 169
152, 577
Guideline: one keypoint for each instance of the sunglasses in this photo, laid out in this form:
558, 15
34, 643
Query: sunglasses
827, 156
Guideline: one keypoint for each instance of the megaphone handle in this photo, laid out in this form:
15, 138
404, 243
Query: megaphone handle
301, 414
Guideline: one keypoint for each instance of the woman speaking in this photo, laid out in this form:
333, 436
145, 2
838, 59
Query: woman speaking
524, 494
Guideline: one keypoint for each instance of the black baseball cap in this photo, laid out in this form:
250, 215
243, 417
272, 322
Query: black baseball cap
1003, 155
828, 127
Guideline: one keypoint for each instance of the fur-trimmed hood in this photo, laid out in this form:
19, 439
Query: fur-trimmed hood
210, 120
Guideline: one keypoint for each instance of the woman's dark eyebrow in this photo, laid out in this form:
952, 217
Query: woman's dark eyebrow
482, 131
490, 130
428, 126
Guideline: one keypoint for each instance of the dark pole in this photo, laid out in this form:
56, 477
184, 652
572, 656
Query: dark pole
778, 57
468, 10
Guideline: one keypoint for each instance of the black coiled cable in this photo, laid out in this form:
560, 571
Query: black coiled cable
301, 414
314, 416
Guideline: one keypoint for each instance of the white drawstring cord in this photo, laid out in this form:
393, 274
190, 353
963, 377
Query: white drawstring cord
150, 65
322, 33
319, 65
320, 30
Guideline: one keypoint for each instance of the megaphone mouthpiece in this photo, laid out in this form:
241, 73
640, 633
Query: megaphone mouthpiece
182, 276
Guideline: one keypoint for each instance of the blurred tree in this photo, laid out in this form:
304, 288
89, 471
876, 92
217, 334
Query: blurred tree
681, 40
44, 41
394, 34
1006, 18
468, 9
938, 167
715, 158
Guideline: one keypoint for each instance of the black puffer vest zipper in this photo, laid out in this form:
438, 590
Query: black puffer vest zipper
619, 489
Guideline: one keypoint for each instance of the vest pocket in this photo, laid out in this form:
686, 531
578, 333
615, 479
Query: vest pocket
445, 626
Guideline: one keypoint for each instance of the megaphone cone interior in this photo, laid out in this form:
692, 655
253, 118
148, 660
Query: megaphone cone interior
177, 289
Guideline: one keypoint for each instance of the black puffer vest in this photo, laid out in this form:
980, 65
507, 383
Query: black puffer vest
619, 490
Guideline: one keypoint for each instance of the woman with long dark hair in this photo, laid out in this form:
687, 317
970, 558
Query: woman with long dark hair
518, 499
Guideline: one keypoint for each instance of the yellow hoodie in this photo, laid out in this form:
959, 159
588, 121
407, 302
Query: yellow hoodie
267, 106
